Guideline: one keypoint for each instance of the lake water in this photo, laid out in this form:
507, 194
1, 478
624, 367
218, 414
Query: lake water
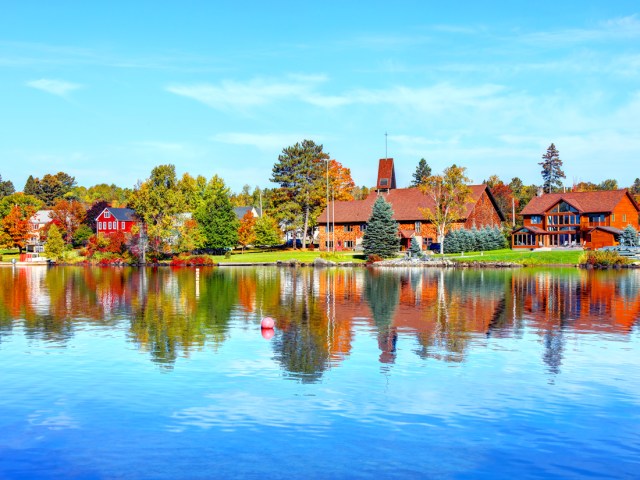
165, 373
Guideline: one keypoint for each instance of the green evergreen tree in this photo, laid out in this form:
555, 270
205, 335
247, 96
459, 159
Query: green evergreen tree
629, 237
452, 242
423, 170
30, 188
551, 169
381, 237
54, 247
6, 188
483, 240
217, 220
415, 248
301, 173
500, 241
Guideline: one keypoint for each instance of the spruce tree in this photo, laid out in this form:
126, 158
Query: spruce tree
551, 169
6, 188
415, 249
381, 237
31, 187
629, 237
422, 170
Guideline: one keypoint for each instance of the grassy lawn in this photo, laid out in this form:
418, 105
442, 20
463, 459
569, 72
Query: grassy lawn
524, 257
7, 254
286, 255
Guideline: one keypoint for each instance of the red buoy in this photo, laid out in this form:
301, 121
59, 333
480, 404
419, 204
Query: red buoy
267, 322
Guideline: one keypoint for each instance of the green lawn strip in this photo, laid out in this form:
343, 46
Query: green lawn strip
527, 257
7, 254
286, 256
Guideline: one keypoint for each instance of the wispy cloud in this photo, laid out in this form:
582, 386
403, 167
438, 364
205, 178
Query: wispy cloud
234, 95
55, 87
266, 142
622, 28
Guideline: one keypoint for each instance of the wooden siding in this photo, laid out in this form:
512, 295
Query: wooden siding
107, 225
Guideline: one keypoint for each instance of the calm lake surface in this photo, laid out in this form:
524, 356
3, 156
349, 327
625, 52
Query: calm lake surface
143, 373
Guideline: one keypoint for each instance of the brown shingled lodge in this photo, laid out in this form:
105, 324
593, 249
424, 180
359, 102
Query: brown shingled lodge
348, 219
588, 219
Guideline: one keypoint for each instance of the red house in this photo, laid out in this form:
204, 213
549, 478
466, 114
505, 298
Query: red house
115, 219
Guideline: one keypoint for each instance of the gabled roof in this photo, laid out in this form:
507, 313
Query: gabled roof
613, 230
121, 214
531, 229
242, 211
406, 203
41, 216
585, 202
386, 172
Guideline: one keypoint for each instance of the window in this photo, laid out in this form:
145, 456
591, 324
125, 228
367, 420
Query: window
331, 227
328, 245
418, 226
624, 217
613, 217
363, 227
107, 214
536, 219
384, 182
348, 228
348, 243
109, 227
122, 225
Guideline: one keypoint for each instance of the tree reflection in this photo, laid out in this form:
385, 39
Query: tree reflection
300, 344
382, 291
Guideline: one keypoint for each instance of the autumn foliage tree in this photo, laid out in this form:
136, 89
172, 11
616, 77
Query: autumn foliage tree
246, 230
450, 195
15, 226
69, 215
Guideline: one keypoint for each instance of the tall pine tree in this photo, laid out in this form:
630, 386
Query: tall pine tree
381, 237
551, 169
423, 170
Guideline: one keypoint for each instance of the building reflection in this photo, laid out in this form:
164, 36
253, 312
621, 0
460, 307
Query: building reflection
436, 314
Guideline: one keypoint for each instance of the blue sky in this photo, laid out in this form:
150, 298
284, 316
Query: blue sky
107, 91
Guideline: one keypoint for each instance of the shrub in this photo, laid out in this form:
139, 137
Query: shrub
191, 261
603, 258
373, 258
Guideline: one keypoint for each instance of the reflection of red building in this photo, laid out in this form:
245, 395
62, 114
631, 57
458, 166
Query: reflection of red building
586, 302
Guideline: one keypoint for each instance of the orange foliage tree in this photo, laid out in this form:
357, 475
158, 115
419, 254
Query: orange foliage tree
68, 215
246, 230
340, 181
15, 226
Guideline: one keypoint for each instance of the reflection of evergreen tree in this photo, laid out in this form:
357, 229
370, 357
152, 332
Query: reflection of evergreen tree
553, 350
382, 292
218, 297
301, 341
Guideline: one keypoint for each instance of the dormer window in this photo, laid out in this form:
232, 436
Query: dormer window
107, 214
384, 182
